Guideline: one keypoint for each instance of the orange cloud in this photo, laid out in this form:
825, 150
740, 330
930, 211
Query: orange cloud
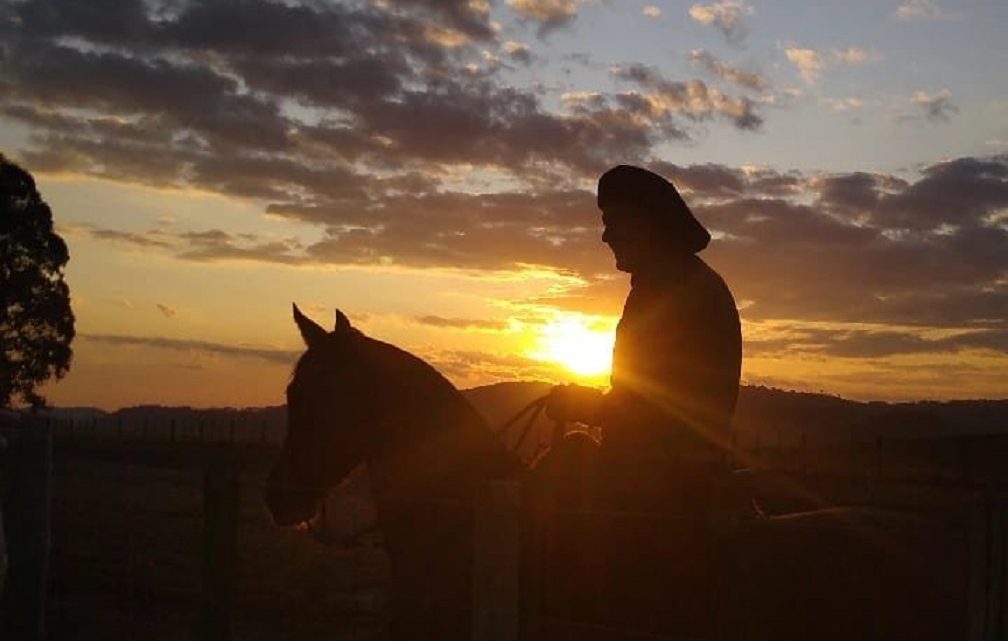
550, 14
812, 63
726, 15
920, 10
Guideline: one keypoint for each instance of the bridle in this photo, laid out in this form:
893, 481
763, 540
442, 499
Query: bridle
316, 525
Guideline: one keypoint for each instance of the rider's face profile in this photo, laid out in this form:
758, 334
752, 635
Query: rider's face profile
628, 235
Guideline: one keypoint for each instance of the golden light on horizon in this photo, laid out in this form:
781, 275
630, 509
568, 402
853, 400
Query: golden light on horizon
578, 344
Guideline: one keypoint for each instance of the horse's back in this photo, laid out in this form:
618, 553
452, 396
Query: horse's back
627, 552
845, 573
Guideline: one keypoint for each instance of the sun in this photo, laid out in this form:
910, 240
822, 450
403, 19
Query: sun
578, 344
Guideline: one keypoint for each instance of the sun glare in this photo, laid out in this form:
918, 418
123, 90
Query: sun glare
578, 345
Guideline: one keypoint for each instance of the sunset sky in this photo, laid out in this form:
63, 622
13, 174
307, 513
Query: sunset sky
428, 166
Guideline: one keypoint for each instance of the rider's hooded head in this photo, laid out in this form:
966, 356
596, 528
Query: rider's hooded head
645, 218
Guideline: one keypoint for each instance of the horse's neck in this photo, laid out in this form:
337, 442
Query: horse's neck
443, 447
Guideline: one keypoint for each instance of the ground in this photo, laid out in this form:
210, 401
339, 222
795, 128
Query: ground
127, 529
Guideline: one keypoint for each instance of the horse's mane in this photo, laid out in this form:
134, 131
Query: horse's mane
411, 386
393, 360
419, 386
521, 436
422, 380
414, 366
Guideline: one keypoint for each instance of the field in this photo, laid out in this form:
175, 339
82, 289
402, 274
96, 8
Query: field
125, 564
128, 522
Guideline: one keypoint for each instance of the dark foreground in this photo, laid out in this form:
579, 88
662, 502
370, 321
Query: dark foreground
128, 525
127, 530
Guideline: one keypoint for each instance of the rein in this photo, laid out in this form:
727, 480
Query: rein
533, 410
316, 525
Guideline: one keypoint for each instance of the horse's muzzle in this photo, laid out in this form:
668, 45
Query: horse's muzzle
290, 504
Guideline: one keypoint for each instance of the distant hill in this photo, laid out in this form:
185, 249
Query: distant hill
75, 413
768, 416
273, 416
765, 416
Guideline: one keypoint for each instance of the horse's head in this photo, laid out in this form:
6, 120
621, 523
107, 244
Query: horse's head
330, 405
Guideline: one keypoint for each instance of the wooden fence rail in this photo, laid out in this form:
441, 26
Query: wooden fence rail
988, 597
496, 563
220, 542
25, 475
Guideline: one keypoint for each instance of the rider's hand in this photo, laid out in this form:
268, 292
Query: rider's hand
558, 404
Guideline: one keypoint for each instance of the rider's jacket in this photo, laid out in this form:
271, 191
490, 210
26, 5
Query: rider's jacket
676, 361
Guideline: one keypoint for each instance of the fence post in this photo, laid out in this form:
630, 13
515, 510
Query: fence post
1002, 598
26, 518
964, 462
803, 456
988, 569
878, 457
220, 535
996, 597
496, 557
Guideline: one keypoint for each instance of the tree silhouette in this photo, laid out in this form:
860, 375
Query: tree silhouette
36, 323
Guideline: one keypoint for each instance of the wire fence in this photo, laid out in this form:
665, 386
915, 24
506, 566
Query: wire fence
967, 459
139, 546
132, 529
236, 430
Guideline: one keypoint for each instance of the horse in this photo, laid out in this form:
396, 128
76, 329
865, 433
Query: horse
354, 399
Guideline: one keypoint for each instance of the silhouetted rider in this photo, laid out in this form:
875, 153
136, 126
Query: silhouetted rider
674, 384
678, 350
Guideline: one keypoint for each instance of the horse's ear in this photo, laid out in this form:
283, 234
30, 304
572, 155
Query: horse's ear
342, 322
311, 332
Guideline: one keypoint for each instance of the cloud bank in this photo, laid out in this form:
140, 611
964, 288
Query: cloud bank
386, 126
